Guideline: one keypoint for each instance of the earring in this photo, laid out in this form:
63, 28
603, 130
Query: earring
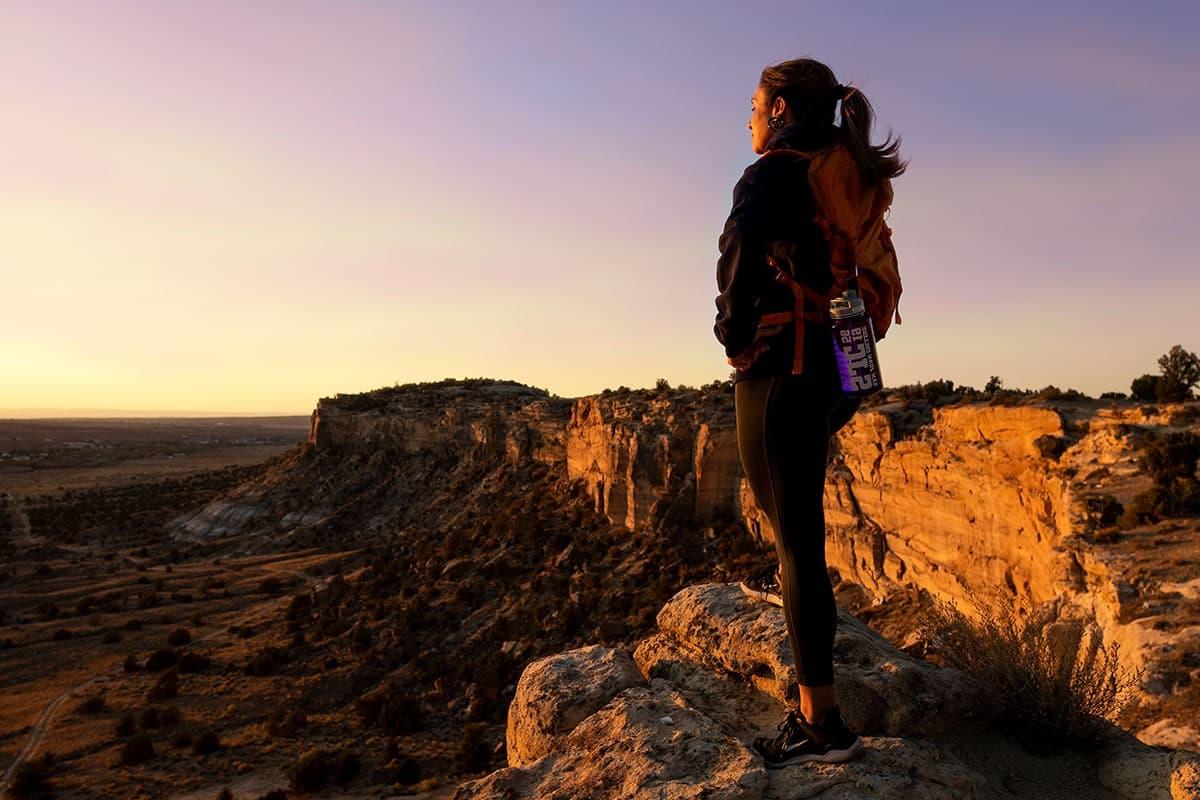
775, 122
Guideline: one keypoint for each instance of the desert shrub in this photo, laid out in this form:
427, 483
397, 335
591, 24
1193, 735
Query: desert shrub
182, 738
266, 662
161, 659
1103, 510
126, 726
393, 707
1172, 458
32, 778
286, 722
169, 717
312, 770
1171, 463
1145, 388
190, 661
346, 767
138, 749
1052, 392
207, 742
299, 608
131, 663
1180, 372
1052, 680
148, 719
1050, 446
179, 636
93, 704
167, 686
270, 585
473, 749
407, 770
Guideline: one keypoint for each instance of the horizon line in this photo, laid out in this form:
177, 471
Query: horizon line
58, 412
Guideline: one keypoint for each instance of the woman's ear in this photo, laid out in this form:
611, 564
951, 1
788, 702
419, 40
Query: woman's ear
779, 107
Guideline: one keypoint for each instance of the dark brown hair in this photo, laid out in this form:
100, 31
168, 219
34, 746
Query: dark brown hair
810, 89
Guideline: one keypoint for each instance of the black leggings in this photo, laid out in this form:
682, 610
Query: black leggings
784, 424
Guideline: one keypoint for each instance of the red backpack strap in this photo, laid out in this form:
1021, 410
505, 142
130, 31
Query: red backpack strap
797, 313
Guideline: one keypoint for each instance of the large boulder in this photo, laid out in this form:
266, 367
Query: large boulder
645, 743
556, 693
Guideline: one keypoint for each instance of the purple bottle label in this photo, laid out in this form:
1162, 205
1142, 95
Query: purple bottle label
854, 349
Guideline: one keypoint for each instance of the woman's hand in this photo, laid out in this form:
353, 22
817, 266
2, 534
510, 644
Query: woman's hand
744, 359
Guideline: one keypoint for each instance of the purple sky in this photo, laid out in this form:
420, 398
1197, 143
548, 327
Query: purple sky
247, 206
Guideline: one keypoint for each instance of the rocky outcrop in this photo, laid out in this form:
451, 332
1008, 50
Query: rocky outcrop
554, 695
491, 420
882, 688
715, 675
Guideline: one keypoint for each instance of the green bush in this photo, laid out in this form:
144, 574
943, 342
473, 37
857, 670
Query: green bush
1180, 372
1171, 463
1144, 389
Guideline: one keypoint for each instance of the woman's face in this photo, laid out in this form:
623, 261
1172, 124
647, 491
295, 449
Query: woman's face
760, 133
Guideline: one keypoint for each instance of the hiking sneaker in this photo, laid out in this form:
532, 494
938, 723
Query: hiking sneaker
764, 585
802, 741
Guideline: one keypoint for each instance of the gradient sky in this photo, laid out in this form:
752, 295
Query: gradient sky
243, 207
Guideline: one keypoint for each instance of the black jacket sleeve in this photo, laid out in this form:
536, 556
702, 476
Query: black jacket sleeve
742, 266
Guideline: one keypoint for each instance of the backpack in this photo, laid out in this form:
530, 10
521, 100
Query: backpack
852, 219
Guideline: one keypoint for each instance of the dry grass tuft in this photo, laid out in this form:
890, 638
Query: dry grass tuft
1055, 679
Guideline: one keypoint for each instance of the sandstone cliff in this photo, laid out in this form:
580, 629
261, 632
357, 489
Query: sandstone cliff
675, 718
951, 500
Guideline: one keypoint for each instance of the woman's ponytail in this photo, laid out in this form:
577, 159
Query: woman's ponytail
876, 162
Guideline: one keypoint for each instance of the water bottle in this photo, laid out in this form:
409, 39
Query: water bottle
854, 345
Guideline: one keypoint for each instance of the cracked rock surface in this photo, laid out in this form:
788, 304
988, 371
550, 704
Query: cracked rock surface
716, 674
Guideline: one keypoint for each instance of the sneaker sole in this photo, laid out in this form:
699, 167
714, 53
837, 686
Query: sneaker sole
832, 757
768, 597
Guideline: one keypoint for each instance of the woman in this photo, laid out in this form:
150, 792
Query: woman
785, 420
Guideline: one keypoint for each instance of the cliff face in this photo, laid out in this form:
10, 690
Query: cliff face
501, 420
957, 500
644, 457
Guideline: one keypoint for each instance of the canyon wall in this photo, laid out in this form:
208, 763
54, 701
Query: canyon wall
960, 500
